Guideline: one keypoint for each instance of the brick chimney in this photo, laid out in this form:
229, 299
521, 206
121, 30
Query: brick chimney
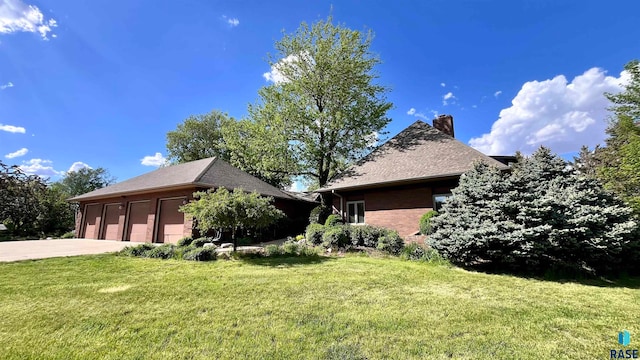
444, 123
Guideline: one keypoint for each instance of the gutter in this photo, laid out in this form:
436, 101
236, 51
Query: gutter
333, 192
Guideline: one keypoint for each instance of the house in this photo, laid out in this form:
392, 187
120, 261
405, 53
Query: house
145, 208
407, 176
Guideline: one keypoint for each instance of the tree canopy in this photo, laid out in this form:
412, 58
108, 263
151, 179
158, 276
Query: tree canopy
82, 181
619, 160
198, 137
222, 209
324, 103
20, 194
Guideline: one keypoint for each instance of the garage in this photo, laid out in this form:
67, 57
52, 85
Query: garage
171, 221
92, 221
137, 221
110, 227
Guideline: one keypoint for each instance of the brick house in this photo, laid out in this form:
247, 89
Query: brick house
407, 176
145, 208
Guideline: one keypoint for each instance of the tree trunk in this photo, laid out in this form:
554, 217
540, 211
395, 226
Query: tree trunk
235, 242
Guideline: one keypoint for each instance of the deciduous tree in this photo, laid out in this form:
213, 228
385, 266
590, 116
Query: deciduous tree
221, 209
325, 100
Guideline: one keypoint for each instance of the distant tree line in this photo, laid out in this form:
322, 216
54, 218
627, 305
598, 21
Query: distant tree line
32, 207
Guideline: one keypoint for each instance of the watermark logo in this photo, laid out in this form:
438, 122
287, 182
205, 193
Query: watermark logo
624, 339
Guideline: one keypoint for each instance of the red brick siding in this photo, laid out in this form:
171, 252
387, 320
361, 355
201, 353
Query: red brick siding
397, 207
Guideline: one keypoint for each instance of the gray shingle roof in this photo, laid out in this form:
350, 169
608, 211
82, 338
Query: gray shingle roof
210, 172
418, 152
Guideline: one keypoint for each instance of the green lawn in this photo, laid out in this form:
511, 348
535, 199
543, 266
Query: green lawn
121, 308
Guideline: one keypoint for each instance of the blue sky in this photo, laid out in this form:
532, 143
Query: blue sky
99, 83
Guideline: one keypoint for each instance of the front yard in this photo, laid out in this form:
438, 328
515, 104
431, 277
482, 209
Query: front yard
295, 308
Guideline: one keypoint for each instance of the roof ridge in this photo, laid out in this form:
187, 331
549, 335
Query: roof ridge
206, 169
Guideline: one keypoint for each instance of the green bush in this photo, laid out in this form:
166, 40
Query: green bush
336, 237
68, 235
200, 254
272, 250
390, 242
185, 241
165, 251
417, 252
365, 235
333, 220
138, 250
199, 242
290, 248
314, 233
319, 214
425, 222
300, 237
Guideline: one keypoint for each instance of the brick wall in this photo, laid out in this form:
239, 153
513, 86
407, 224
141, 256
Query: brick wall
397, 207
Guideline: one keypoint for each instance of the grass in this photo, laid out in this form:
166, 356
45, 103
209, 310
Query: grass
295, 308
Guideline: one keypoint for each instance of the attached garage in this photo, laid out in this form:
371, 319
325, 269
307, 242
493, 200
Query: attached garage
171, 221
145, 208
91, 224
137, 221
110, 227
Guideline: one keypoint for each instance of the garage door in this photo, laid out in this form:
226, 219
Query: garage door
92, 221
171, 223
137, 221
111, 217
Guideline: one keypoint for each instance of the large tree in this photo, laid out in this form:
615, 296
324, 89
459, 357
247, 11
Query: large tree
85, 180
541, 216
324, 103
20, 195
620, 159
241, 143
198, 137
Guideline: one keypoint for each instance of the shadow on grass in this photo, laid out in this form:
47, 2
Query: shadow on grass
287, 261
563, 277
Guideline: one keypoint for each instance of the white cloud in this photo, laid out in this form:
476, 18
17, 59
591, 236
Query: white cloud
16, 16
7, 85
231, 21
292, 61
15, 154
446, 98
12, 129
77, 166
443, 84
155, 160
497, 93
413, 112
39, 167
554, 113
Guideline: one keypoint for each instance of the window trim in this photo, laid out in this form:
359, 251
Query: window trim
433, 198
356, 202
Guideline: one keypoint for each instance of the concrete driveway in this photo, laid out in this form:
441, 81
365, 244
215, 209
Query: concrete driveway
40, 249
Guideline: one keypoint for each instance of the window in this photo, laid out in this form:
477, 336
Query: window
438, 200
355, 212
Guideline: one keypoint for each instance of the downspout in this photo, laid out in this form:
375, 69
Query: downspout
333, 192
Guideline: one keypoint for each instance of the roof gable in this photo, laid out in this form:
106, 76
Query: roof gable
418, 152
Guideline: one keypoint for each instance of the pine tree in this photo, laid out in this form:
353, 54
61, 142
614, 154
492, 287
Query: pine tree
543, 216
